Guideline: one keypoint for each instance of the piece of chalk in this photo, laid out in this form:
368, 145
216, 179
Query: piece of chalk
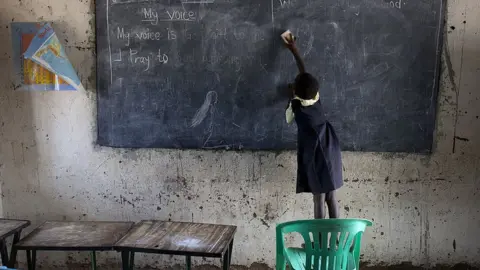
288, 37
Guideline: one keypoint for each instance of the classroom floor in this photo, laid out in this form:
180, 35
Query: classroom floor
176, 267
257, 266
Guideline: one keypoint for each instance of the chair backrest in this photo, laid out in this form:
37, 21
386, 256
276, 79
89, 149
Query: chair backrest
329, 243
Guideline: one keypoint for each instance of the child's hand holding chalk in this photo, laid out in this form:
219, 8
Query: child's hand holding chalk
289, 39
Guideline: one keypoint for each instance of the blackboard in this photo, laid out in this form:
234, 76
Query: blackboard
211, 73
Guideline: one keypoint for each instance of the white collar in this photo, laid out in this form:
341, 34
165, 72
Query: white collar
305, 103
308, 102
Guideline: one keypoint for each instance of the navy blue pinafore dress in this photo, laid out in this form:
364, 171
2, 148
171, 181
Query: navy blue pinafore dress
318, 156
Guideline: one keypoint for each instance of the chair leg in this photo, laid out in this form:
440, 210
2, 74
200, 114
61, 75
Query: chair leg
31, 259
281, 264
189, 262
94, 260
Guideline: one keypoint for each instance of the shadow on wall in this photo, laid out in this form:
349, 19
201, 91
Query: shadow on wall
34, 131
18, 142
459, 99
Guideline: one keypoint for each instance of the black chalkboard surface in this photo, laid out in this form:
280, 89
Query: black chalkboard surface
210, 73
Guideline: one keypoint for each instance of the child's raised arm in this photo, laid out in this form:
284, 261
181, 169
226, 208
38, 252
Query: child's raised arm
289, 40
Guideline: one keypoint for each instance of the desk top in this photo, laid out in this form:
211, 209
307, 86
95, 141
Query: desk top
180, 238
88, 235
11, 226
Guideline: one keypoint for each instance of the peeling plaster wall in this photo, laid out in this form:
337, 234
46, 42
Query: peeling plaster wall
426, 208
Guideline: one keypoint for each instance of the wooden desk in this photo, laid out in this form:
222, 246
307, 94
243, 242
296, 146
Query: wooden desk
78, 236
177, 238
7, 228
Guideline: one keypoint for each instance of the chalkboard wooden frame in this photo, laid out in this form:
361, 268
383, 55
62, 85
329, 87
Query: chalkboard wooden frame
240, 89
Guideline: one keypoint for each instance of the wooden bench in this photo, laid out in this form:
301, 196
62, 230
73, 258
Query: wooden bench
177, 238
10, 227
73, 236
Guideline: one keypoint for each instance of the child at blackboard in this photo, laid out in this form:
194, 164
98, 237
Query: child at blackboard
318, 156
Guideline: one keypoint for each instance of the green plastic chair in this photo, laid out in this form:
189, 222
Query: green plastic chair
330, 244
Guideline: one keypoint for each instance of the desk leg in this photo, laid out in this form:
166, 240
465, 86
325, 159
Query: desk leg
31, 259
4, 252
94, 260
189, 262
227, 257
132, 260
125, 260
225, 260
13, 253
230, 250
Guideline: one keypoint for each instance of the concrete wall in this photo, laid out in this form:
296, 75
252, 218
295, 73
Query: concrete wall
426, 208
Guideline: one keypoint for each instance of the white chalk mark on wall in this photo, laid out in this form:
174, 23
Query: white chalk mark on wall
209, 129
273, 18
116, 2
309, 45
109, 45
198, 2
210, 101
236, 85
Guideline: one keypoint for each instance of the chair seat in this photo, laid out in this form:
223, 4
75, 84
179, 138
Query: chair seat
296, 258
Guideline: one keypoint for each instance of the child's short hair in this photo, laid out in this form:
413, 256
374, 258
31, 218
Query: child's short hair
306, 86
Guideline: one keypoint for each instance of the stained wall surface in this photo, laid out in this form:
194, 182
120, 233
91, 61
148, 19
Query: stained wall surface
425, 207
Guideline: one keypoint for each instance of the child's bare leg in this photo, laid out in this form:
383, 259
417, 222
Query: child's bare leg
319, 206
333, 210
332, 203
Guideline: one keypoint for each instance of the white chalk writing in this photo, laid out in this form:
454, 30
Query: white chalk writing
144, 61
236, 62
182, 15
136, 59
287, 3
149, 15
239, 35
219, 33
187, 34
162, 57
253, 35
395, 3
122, 35
148, 35
119, 59
198, 1
128, 1
171, 34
